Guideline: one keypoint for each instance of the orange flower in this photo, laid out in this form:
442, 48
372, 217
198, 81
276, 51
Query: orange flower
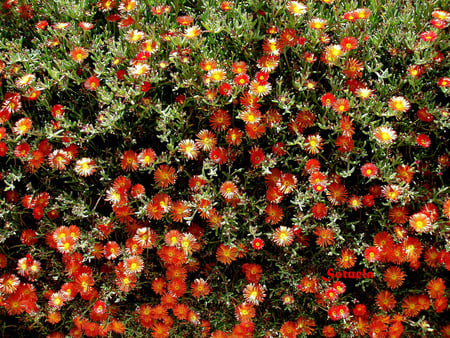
254, 293
274, 213
394, 277
436, 288
220, 120
410, 306
200, 288
129, 161
226, 254
336, 193
79, 54
313, 144
385, 300
420, 222
347, 259
325, 236
165, 176
283, 236
244, 312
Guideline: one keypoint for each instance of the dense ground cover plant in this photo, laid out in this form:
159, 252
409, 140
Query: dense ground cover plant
224, 169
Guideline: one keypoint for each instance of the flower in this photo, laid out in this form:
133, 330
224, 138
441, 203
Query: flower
296, 8
313, 144
420, 222
165, 175
423, 140
394, 277
399, 104
79, 54
85, 166
349, 43
428, 36
385, 134
325, 237
283, 236
226, 254
189, 149
257, 244
254, 293
92, 83
369, 170
347, 259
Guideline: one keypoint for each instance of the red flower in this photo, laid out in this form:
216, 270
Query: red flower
258, 244
92, 83
423, 140
428, 36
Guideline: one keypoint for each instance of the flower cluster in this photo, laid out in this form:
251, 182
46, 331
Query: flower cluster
229, 169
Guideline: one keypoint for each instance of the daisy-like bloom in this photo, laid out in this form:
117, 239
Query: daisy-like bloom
206, 140
354, 202
188, 243
349, 43
200, 288
341, 105
446, 208
331, 294
145, 237
436, 288
150, 46
353, 68
415, 71
128, 5
372, 254
283, 236
274, 213
319, 210
226, 254
394, 277
134, 36
333, 53
317, 23
22, 126
336, 193
165, 175
268, 63
420, 222
399, 104
272, 46
305, 326
254, 293
289, 329
59, 159
85, 167
239, 67
57, 300
428, 36
189, 149
129, 161
220, 120
423, 140
208, 64
92, 83
228, 190
313, 144
78, 54
410, 306
250, 115
347, 259
260, 89
328, 100
385, 300
392, 192
111, 250
364, 93
146, 157
24, 80
444, 82
385, 134
192, 32
309, 57
296, 8
405, 173
286, 183
257, 244
369, 170
177, 287
398, 214
244, 312
347, 126
139, 69
133, 264
289, 38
